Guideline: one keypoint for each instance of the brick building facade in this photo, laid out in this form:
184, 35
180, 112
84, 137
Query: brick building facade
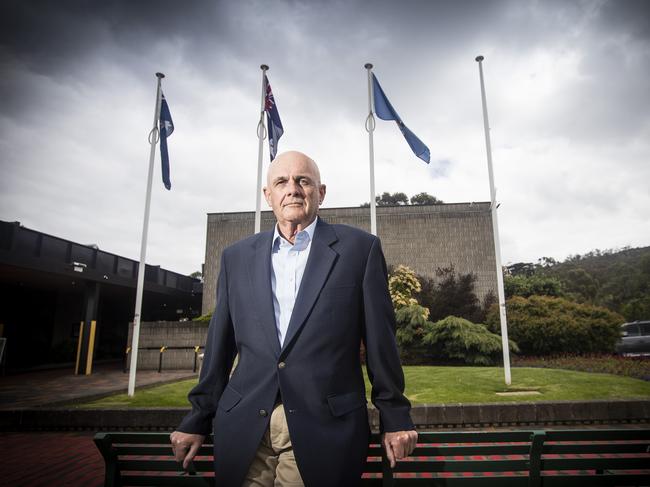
421, 237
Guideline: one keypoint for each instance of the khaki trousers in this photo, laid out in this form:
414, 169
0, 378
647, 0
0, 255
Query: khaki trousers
274, 464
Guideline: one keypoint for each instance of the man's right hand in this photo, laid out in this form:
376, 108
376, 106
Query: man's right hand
185, 446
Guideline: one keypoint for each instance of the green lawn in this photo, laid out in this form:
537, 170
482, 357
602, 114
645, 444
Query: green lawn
433, 385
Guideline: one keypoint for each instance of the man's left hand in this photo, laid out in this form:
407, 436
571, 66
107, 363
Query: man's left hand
399, 445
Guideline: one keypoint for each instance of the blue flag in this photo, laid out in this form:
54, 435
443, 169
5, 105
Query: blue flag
385, 111
166, 129
273, 121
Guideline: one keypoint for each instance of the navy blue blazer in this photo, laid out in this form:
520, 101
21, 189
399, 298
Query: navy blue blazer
343, 300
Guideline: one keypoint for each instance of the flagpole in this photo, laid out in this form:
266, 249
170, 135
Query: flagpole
261, 135
153, 139
495, 228
370, 128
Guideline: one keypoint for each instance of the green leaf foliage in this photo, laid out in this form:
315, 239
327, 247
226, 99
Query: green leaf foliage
449, 294
544, 325
457, 339
411, 322
616, 279
204, 318
523, 285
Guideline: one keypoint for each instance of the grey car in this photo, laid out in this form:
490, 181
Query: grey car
635, 339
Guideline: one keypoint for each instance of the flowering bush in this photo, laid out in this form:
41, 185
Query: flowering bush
402, 284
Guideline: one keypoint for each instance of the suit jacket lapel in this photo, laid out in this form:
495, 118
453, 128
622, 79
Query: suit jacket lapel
259, 273
320, 261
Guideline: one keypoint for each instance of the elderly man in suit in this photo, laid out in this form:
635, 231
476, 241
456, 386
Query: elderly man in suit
295, 304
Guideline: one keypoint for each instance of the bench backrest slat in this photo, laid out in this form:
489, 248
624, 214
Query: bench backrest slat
155, 450
162, 465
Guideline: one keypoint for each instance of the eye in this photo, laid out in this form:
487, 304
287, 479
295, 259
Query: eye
304, 182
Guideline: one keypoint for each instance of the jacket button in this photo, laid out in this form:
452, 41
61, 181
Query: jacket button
281, 365
263, 412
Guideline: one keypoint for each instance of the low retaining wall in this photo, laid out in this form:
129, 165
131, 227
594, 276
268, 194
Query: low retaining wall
432, 416
157, 334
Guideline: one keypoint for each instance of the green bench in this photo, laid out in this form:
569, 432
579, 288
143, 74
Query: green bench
531, 458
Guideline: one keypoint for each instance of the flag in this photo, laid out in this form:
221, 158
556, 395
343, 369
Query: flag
166, 129
273, 121
385, 111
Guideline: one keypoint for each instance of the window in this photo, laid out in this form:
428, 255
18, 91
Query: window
630, 330
645, 327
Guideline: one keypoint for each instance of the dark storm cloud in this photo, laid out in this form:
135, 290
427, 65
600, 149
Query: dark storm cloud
566, 83
631, 17
49, 36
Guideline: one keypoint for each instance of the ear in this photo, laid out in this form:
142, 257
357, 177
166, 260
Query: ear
321, 192
267, 196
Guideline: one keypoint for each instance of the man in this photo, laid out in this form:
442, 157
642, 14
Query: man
295, 304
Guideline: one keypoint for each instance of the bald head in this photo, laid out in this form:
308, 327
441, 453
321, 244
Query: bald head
294, 191
293, 157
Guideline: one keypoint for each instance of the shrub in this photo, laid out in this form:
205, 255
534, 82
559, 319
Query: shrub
543, 325
528, 285
458, 339
411, 322
204, 318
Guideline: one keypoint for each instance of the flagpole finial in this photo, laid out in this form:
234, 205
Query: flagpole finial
264, 67
367, 66
160, 75
479, 59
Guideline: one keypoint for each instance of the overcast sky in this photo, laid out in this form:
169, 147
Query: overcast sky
567, 90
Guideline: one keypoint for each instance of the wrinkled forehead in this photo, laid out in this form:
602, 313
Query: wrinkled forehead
292, 165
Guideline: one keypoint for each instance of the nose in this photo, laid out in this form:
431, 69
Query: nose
294, 188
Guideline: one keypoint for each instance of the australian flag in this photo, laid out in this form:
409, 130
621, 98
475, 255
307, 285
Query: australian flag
385, 111
273, 121
166, 129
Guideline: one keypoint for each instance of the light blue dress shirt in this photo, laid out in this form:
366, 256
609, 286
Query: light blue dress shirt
288, 263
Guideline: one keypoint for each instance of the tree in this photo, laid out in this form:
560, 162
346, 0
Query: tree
521, 269
581, 284
197, 275
395, 199
637, 309
450, 294
425, 199
522, 285
457, 339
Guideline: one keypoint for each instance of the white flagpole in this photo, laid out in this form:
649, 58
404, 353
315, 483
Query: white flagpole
495, 229
261, 135
153, 139
370, 128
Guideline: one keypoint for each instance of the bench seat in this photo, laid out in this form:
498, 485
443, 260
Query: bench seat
530, 458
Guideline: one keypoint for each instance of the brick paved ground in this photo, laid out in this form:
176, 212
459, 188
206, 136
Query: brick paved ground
54, 459
33, 389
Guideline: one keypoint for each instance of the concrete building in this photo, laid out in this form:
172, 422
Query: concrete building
421, 237
52, 290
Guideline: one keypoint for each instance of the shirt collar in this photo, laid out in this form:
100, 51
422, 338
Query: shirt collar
302, 238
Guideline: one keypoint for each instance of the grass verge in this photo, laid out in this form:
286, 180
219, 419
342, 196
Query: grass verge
431, 385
